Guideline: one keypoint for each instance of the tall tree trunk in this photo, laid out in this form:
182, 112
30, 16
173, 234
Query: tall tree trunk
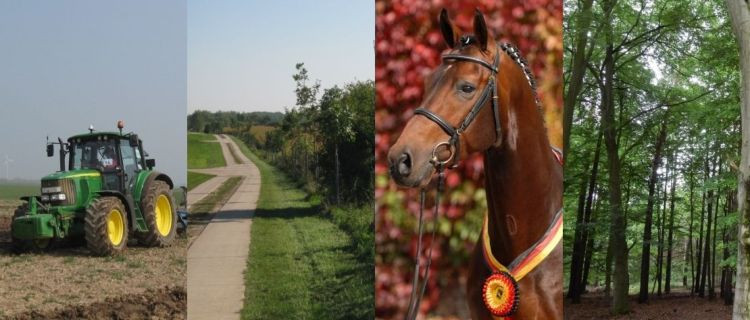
739, 13
668, 278
618, 225
729, 298
727, 277
646, 251
585, 199
699, 245
707, 244
608, 269
589, 250
588, 232
712, 282
689, 250
662, 222
576, 261
578, 70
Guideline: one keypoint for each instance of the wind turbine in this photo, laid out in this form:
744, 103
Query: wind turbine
7, 161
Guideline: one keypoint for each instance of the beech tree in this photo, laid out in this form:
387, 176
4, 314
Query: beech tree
739, 13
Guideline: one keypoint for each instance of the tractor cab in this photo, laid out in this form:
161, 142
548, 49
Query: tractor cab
117, 157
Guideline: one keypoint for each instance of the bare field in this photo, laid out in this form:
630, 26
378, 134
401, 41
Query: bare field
69, 282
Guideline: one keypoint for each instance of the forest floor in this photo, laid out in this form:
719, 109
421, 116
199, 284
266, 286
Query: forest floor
678, 305
69, 282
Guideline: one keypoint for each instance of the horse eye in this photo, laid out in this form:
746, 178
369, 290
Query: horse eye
467, 88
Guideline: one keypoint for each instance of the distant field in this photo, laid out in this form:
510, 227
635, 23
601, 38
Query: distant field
260, 132
14, 190
203, 153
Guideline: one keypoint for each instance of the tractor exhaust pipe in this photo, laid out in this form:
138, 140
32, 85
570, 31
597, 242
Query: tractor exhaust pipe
62, 154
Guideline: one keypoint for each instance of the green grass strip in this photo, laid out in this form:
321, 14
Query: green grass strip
220, 195
237, 158
204, 152
301, 264
195, 179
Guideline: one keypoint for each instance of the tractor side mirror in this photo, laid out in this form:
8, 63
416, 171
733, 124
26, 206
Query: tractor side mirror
50, 150
150, 163
133, 140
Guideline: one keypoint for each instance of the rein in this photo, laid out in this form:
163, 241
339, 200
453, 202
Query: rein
502, 285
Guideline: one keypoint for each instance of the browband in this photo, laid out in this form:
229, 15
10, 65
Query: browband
472, 59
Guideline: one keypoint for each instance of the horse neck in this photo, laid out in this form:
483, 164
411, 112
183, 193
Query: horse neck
523, 181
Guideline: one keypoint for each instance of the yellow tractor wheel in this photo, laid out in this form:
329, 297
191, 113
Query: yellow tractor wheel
160, 214
106, 226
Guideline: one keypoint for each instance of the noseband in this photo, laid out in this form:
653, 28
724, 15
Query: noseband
490, 91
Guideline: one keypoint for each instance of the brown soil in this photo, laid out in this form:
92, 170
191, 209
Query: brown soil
164, 303
675, 306
68, 281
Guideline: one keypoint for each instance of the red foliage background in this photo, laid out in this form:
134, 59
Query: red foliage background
408, 46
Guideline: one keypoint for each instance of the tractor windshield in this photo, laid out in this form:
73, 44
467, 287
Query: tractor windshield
94, 154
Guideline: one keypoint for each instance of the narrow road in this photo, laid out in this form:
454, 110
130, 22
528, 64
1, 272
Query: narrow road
217, 258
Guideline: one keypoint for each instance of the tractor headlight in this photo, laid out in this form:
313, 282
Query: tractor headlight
57, 197
45, 198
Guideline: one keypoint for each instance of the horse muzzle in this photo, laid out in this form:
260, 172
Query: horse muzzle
407, 170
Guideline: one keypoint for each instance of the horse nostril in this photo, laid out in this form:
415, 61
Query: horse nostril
404, 164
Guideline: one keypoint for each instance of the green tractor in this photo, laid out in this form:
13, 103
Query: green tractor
108, 193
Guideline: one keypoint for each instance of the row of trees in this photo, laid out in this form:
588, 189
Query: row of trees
327, 140
230, 121
653, 137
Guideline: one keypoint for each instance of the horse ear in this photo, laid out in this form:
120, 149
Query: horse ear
480, 29
450, 33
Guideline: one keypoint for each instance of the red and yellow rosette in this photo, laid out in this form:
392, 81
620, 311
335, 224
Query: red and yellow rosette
500, 294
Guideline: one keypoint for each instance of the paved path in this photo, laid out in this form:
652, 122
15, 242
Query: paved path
217, 258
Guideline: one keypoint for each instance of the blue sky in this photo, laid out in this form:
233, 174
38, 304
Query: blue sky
68, 64
241, 54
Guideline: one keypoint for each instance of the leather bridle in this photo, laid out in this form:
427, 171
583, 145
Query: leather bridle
454, 145
489, 92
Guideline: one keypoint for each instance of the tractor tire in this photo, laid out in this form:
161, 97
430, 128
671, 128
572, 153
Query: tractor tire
160, 214
20, 245
106, 226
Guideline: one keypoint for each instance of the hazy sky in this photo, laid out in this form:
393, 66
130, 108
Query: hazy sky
241, 54
67, 64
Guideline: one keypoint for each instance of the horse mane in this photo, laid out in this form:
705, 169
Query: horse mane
515, 54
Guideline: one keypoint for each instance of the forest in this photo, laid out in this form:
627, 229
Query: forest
653, 136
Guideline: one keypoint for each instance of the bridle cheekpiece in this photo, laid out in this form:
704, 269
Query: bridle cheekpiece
489, 92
